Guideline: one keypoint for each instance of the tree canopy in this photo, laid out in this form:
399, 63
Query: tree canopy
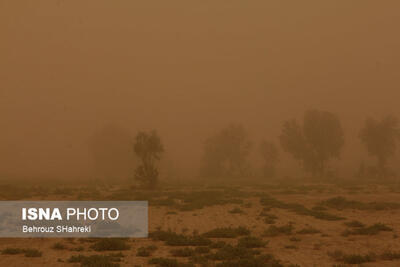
225, 154
148, 148
318, 140
380, 139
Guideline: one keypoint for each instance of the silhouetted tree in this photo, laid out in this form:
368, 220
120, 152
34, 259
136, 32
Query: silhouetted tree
148, 148
380, 138
225, 154
112, 155
270, 154
319, 139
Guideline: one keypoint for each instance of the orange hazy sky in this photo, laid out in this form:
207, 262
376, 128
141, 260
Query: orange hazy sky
67, 68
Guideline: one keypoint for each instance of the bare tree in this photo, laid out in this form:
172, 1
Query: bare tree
225, 154
148, 148
314, 143
380, 138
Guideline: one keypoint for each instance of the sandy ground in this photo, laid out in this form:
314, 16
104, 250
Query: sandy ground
311, 250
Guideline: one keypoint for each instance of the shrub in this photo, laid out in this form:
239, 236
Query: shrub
80, 248
165, 262
268, 218
236, 211
227, 232
58, 246
229, 252
218, 244
270, 202
202, 260
110, 244
354, 224
201, 250
295, 239
319, 208
352, 258
357, 258
96, 260
279, 230
145, 251
259, 261
174, 239
308, 230
390, 255
12, 251
183, 252
370, 230
251, 242
32, 253
341, 203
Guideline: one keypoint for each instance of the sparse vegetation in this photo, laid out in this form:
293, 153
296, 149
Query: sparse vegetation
12, 251
338, 255
295, 239
165, 262
30, 253
227, 232
354, 224
270, 202
236, 211
268, 217
145, 251
183, 252
341, 203
256, 261
97, 260
390, 255
370, 230
308, 230
110, 244
58, 246
218, 244
251, 242
279, 230
199, 133
174, 239
229, 252
191, 248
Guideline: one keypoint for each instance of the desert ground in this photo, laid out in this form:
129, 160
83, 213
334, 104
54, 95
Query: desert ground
264, 225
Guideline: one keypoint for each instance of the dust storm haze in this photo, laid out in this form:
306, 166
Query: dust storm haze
70, 68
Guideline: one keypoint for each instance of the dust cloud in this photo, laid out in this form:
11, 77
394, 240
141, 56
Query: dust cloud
70, 68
